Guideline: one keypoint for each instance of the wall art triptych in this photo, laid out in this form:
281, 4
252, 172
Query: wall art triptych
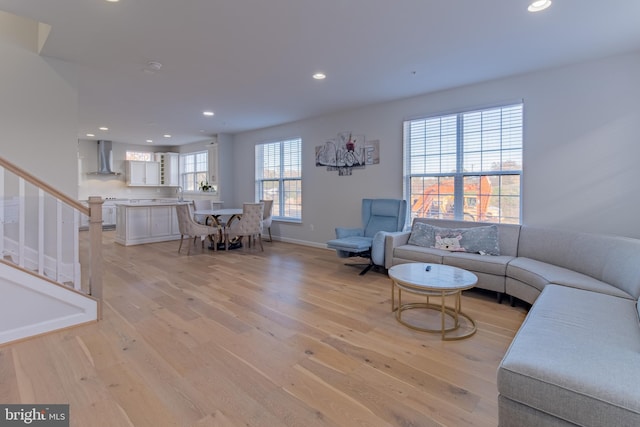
347, 152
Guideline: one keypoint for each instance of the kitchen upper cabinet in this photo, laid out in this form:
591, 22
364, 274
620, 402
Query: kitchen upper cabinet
169, 169
143, 173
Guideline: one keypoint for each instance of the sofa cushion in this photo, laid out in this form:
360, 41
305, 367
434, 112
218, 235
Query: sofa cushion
611, 259
576, 357
538, 274
415, 253
496, 265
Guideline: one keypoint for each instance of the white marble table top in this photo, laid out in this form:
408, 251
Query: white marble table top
432, 277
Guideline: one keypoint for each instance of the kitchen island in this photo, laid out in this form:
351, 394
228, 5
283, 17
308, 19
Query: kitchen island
146, 221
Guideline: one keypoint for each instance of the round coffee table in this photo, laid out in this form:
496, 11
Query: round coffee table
433, 280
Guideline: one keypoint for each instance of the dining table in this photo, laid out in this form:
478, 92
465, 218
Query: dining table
213, 218
213, 215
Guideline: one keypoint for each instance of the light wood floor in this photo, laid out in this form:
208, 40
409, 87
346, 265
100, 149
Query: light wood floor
287, 337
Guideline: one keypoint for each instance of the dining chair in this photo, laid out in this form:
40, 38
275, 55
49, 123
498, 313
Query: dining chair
190, 228
202, 205
266, 217
249, 225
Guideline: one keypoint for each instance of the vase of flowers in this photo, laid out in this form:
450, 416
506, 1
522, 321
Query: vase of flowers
204, 186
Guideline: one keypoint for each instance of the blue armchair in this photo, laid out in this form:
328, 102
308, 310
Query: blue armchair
378, 216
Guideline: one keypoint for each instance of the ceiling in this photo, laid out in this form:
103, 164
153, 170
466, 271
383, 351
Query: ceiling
251, 61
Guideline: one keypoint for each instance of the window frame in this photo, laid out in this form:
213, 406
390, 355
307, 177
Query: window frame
457, 173
284, 177
196, 174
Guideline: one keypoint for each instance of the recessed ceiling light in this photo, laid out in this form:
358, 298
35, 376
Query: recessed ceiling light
538, 5
208, 113
319, 76
149, 141
103, 128
90, 134
152, 67
166, 135
113, 1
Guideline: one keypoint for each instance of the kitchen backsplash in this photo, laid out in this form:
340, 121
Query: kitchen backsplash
115, 187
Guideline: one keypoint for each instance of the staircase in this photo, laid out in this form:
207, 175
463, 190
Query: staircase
50, 271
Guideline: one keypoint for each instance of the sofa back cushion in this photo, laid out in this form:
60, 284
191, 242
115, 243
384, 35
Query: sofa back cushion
611, 259
507, 233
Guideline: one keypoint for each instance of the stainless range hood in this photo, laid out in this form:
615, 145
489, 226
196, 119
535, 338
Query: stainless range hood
105, 159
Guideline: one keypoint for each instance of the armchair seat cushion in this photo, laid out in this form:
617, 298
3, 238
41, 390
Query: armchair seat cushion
351, 244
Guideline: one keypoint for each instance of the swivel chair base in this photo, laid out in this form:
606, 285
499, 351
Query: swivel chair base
367, 267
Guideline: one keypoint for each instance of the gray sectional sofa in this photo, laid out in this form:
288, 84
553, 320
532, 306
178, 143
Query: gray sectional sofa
576, 359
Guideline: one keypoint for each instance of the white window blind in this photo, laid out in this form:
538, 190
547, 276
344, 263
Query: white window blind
279, 177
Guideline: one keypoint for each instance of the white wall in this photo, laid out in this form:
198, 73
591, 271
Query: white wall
581, 143
38, 107
581, 150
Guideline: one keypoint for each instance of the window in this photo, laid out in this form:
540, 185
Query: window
139, 155
194, 170
465, 166
279, 177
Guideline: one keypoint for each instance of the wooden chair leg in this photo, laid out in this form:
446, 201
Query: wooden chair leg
181, 238
260, 241
270, 238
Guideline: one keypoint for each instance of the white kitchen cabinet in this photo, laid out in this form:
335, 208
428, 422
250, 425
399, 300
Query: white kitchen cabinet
160, 218
108, 215
169, 169
141, 173
139, 223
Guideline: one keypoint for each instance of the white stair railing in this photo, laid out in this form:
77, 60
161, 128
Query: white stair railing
40, 232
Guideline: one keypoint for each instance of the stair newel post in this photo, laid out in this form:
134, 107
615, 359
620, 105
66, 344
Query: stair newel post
95, 245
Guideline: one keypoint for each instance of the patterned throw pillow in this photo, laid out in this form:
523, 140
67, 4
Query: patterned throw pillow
422, 235
482, 240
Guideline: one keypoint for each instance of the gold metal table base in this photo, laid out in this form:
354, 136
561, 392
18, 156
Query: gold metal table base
452, 312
